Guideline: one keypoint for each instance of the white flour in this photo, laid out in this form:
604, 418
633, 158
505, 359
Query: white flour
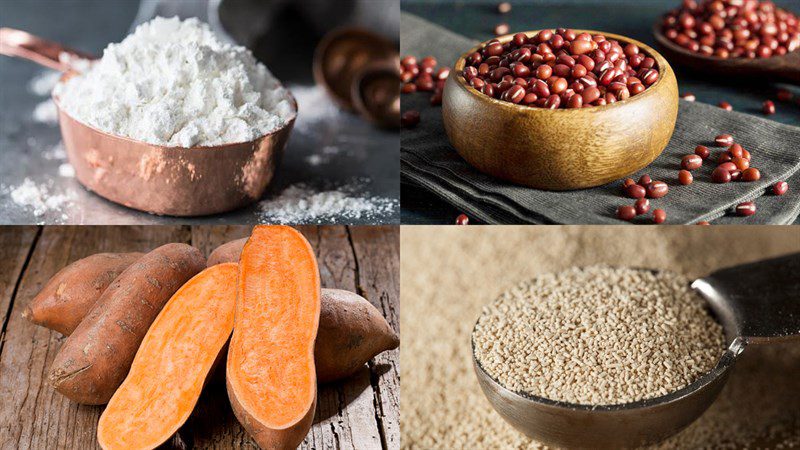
39, 198
174, 83
300, 204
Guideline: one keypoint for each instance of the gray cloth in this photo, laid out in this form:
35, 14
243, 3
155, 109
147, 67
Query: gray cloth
428, 160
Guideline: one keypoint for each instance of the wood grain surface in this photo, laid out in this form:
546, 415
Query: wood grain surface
360, 412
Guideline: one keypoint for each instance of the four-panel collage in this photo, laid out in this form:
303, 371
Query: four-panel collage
399, 224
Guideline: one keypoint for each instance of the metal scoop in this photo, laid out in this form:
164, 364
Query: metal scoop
755, 303
176, 181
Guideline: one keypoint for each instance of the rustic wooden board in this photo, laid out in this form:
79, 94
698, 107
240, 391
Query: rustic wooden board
361, 412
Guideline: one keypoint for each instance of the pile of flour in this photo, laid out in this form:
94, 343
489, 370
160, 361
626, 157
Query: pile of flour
174, 83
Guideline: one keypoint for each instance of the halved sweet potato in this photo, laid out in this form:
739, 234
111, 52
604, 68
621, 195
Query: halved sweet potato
66, 299
173, 362
271, 378
351, 330
96, 357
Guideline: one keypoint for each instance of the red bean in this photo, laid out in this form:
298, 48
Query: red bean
724, 157
751, 174
590, 94
626, 212
689, 97
627, 182
514, 94
691, 162
702, 151
736, 151
659, 216
703, 222
724, 140
408, 60
657, 189
443, 73
645, 179
462, 219
768, 107
736, 174
726, 106
745, 209
741, 163
780, 188
576, 101
567, 63
729, 166
408, 88
500, 29
409, 119
685, 177
436, 98
642, 206
635, 191
720, 175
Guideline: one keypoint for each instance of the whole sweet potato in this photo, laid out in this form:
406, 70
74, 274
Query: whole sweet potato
66, 299
96, 357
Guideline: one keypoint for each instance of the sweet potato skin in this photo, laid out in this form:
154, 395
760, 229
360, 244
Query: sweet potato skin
351, 332
268, 439
72, 292
227, 252
96, 357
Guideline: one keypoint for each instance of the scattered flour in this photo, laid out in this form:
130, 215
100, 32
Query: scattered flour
316, 108
46, 112
39, 198
329, 152
301, 204
66, 170
175, 83
43, 84
56, 152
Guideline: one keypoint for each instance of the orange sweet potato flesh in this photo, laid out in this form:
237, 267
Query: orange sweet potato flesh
96, 357
173, 363
66, 299
351, 330
270, 373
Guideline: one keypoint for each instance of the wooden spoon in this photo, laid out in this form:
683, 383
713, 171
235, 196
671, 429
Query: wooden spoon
785, 68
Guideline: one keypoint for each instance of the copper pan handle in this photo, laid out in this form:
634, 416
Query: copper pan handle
33, 48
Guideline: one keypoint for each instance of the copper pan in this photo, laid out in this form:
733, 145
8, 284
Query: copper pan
173, 181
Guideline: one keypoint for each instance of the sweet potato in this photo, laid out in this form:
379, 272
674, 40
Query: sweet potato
173, 363
66, 299
227, 252
96, 357
351, 330
270, 372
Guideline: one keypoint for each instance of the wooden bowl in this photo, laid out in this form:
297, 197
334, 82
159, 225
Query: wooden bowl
560, 149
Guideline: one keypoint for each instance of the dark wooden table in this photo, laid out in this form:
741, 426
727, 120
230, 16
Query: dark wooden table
360, 412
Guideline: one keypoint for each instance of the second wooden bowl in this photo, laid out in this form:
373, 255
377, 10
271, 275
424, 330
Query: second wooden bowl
560, 149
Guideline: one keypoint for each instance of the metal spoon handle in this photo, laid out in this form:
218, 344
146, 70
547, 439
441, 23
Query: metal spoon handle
33, 48
759, 301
